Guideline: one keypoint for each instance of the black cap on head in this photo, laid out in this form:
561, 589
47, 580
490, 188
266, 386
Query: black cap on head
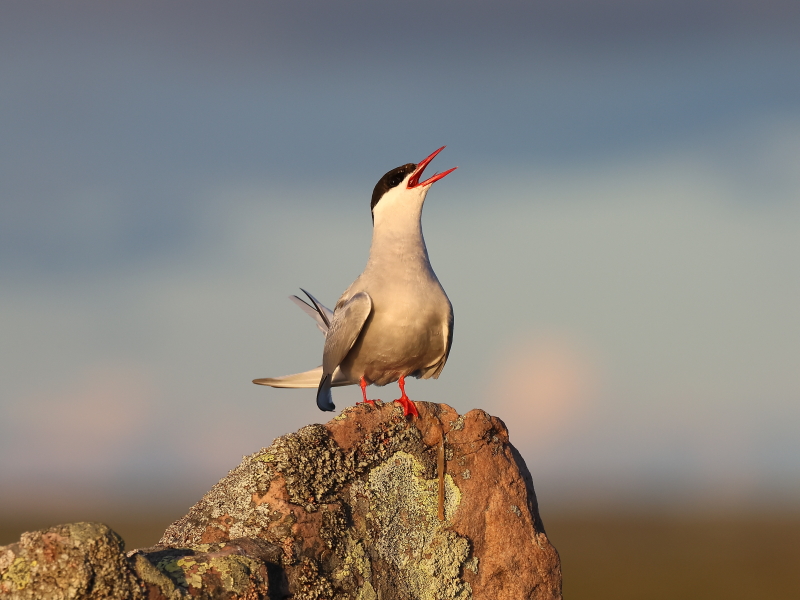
392, 179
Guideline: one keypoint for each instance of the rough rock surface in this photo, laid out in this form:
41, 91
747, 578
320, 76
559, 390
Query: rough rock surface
86, 560
345, 510
79, 560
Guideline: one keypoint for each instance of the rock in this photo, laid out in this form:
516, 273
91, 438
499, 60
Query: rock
350, 509
225, 571
80, 560
357, 499
87, 561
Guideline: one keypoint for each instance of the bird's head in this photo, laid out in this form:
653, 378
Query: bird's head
401, 190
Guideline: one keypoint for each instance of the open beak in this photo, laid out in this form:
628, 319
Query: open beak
414, 180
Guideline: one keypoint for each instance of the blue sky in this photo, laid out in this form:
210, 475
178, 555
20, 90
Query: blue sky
619, 243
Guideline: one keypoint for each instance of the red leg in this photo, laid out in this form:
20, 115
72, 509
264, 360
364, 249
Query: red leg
405, 401
363, 383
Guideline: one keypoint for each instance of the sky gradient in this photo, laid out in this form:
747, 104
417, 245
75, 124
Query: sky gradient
619, 243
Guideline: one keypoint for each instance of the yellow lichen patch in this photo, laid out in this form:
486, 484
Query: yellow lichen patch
367, 592
19, 573
193, 571
355, 561
150, 574
404, 508
233, 570
361, 561
267, 457
174, 568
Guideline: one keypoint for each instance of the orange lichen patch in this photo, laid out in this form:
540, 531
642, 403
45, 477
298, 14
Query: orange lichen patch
217, 530
288, 550
51, 545
259, 500
360, 420
434, 422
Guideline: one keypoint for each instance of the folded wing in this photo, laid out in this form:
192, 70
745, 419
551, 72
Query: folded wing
345, 327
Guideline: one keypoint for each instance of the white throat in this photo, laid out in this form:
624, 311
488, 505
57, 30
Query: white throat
397, 231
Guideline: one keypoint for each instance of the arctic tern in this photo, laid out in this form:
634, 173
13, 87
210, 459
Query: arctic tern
395, 320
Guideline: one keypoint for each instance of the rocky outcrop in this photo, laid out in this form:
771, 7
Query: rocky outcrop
369, 506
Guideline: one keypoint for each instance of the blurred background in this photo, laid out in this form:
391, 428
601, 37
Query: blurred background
620, 244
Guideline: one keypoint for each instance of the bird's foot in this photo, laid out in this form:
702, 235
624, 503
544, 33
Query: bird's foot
363, 383
408, 405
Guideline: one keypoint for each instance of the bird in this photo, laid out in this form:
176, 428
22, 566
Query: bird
395, 320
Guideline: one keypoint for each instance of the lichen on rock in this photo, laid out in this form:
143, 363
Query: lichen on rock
342, 511
310, 584
205, 572
67, 561
232, 571
408, 532
312, 464
18, 575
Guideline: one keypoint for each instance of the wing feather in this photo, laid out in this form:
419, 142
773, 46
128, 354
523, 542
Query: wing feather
312, 312
324, 312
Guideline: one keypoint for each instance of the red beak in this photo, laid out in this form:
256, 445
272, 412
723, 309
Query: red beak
414, 181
